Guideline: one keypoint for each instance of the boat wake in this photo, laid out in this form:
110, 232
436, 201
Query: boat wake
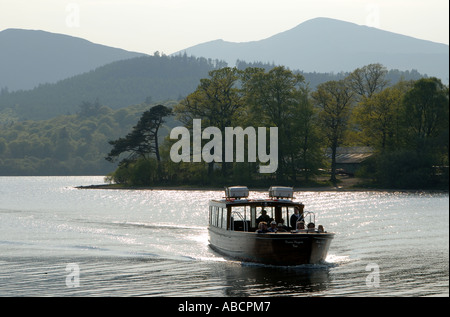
331, 261
155, 225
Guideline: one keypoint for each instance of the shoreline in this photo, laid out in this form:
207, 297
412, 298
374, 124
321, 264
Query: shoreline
296, 189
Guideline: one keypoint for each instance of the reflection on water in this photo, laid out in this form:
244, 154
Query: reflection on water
147, 276
255, 280
155, 243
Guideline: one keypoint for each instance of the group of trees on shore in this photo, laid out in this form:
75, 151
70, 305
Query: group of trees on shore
406, 123
66, 145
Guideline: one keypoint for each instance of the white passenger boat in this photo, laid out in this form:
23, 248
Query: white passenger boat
237, 230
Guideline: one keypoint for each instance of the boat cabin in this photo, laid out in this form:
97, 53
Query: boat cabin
236, 212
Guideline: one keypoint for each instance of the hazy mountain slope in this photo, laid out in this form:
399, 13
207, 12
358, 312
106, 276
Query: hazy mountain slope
29, 57
117, 85
328, 45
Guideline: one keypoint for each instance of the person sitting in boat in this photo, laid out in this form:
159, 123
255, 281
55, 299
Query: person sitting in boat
273, 227
296, 217
311, 226
281, 227
264, 217
320, 228
300, 227
262, 227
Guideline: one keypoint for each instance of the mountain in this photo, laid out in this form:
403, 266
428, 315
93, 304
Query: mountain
132, 81
328, 45
30, 57
116, 85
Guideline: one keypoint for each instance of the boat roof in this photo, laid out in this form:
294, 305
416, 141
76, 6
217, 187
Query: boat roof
238, 196
254, 202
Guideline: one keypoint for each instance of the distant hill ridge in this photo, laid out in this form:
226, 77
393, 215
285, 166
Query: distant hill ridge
132, 81
67, 71
117, 85
329, 45
32, 57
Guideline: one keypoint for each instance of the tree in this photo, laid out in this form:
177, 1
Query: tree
334, 99
143, 139
368, 80
426, 109
306, 136
365, 82
426, 119
217, 102
409, 123
378, 118
155, 117
274, 99
89, 109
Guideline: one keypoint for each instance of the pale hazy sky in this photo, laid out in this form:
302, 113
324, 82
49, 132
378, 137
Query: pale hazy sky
170, 25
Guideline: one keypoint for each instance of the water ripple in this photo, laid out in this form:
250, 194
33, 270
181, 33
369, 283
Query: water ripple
155, 243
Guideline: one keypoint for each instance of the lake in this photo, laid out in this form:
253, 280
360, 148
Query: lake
56, 240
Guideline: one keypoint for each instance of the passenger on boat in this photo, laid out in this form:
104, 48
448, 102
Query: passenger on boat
296, 217
311, 226
264, 217
281, 227
273, 227
320, 228
262, 227
300, 227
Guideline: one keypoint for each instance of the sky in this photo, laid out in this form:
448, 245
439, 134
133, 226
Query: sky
168, 26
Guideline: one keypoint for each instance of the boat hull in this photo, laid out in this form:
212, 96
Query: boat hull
271, 248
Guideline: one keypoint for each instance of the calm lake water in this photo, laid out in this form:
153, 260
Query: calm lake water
56, 240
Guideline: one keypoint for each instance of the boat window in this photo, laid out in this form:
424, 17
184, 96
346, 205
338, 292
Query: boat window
253, 216
242, 210
289, 213
286, 213
210, 214
240, 218
215, 216
270, 211
223, 215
